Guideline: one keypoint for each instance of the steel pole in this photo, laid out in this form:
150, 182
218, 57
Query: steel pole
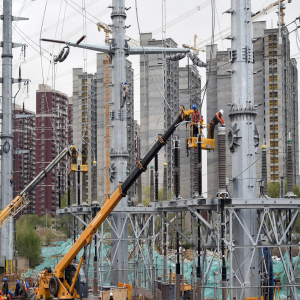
119, 152
242, 116
6, 241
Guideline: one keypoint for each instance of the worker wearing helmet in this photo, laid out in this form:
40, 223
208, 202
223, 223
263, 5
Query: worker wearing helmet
9, 295
17, 290
215, 121
1, 296
5, 287
196, 118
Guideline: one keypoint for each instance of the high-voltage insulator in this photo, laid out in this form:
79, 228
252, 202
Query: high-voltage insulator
176, 159
195, 172
196, 60
63, 54
175, 57
151, 184
264, 171
165, 182
222, 161
156, 176
199, 165
290, 168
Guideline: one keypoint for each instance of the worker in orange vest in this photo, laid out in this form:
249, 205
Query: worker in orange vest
215, 121
9, 295
1, 296
196, 118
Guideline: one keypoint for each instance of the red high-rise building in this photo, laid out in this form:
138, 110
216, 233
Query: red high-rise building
24, 154
51, 139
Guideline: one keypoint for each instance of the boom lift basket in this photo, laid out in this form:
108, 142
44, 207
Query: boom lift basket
206, 144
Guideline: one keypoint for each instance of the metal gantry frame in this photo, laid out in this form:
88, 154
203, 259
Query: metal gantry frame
276, 219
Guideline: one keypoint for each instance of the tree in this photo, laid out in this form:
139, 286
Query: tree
274, 189
28, 242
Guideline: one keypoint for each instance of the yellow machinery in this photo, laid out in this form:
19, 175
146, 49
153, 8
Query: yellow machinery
21, 201
206, 144
74, 166
64, 282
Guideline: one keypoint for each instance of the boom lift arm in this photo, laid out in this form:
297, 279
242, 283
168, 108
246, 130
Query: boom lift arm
55, 283
21, 201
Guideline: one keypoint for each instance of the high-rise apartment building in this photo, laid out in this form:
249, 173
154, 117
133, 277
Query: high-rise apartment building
70, 121
189, 94
159, 102
276, 97
85, 127
103, 100
24, 154
51, 139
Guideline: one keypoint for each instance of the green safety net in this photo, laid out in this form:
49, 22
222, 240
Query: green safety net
50, 257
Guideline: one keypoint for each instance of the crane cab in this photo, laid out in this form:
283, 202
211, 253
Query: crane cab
192, 141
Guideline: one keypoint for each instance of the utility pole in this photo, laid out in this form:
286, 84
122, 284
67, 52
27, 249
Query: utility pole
242, 116
119, 49
6, 234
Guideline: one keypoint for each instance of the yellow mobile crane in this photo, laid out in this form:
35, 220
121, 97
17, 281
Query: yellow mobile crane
21, 201
65, 281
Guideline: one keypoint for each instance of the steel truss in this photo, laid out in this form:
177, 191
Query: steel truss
276, 219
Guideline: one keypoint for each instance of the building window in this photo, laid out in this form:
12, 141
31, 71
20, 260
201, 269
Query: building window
273, 110
274, 176
274, 136
273, 102
274, 152
273, 86
273, 62
274, 169
273, 94
274, 127
274, 144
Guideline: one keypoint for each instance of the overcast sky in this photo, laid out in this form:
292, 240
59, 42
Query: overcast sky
64, 19
193, 17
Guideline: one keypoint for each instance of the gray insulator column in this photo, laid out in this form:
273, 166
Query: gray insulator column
222, 160
74, 187
264, 172
176, 159
165, 182
290, 170
151, 184
83, 192
195, 173
140, 190
156, 177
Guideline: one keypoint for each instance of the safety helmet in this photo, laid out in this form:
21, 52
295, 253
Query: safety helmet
221, 111
125, 82
9, 291
4, 279
18, 281
194, 106
27, 284
83, 143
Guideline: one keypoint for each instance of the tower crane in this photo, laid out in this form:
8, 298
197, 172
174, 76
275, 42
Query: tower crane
255, 16
196, 50
265, 10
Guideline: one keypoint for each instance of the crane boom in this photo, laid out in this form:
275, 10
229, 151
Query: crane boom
21, 200
56, 283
